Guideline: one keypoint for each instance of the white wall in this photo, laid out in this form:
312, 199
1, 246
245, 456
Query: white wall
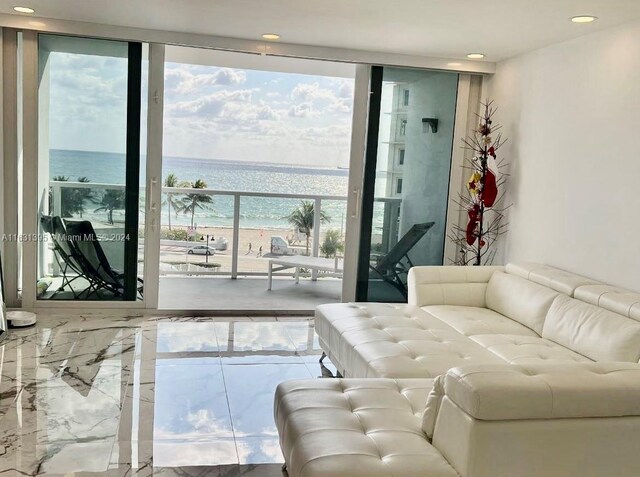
571, 112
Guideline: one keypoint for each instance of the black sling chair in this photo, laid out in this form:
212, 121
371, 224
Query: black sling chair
94, 261
394, 266
65, 256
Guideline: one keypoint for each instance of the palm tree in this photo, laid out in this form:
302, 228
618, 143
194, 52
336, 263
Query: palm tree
111, 200
72, 200
84, 195
332, 243
195, 201
302, 219
171, 181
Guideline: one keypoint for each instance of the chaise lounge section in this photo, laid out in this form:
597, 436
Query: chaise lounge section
523, 313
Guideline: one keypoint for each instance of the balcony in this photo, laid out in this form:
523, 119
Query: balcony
234, 278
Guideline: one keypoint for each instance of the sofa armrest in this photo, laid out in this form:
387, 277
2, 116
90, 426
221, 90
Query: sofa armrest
449, 285
545, 391
553, 420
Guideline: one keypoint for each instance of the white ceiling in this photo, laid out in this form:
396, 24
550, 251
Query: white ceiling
441, 28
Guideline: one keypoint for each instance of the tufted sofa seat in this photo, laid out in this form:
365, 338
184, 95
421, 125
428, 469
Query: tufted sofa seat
357, 427
538, 420
399, 341
523, 313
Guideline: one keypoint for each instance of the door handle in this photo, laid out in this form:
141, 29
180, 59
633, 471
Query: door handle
357, 193
152, 205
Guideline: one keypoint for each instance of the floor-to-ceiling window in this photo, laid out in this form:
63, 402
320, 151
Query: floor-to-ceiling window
255, 168
89, 201
407, 178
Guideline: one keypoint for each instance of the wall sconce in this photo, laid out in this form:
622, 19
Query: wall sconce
429, 123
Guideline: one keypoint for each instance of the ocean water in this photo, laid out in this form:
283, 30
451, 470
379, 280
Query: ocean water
255, 212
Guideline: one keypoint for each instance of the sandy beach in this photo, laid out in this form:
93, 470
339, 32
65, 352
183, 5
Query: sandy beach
253, 261
256, 237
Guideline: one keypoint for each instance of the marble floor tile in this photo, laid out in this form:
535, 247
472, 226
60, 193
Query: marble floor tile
191, 452
251, 389
259, 450
261, 357
248, 336
88, 396
302, 334
186, 336
69, 457
262, 470
326, 369
190, 402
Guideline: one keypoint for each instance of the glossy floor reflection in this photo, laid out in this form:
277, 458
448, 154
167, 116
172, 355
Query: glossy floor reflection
142, 397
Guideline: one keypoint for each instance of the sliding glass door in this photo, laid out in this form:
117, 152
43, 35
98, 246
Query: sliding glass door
406, 178
89, 105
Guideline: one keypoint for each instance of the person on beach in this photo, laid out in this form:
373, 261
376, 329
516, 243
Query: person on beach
260, 251
249, 251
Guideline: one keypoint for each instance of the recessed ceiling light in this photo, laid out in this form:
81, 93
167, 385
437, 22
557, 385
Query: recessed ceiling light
584, 19
270, 36
24, 9
475, 56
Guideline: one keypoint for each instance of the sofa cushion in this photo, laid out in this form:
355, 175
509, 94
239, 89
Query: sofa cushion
470, 320
449, 285
545, 391
359, 427
618, 300
591, 331
332, 320
393, 341
548, 276
401, 352
517, 349
519, 299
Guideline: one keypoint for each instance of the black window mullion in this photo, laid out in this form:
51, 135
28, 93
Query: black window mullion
369, 183
132, 182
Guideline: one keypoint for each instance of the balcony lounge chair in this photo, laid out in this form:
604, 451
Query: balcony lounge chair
65, 255
393, 267
94, 261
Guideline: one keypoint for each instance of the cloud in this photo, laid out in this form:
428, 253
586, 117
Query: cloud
334, 135
346, 89
302, 110
312, 92
227, 76
265, 113
341, 105
334, 101
182, 80
208, 106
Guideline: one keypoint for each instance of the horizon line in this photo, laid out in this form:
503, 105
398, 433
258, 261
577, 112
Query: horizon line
212, 159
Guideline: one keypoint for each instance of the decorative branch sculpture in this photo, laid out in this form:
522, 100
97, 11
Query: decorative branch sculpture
485, 213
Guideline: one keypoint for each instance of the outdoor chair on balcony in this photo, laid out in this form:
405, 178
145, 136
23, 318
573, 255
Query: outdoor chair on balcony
65, 256
94, 262
393, 267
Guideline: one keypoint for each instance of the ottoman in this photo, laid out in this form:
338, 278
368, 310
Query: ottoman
356, 428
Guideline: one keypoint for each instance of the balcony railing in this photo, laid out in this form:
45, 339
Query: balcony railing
391, 209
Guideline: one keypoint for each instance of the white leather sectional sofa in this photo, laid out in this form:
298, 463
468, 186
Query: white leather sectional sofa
525, 370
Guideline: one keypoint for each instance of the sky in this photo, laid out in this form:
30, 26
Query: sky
209, 112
